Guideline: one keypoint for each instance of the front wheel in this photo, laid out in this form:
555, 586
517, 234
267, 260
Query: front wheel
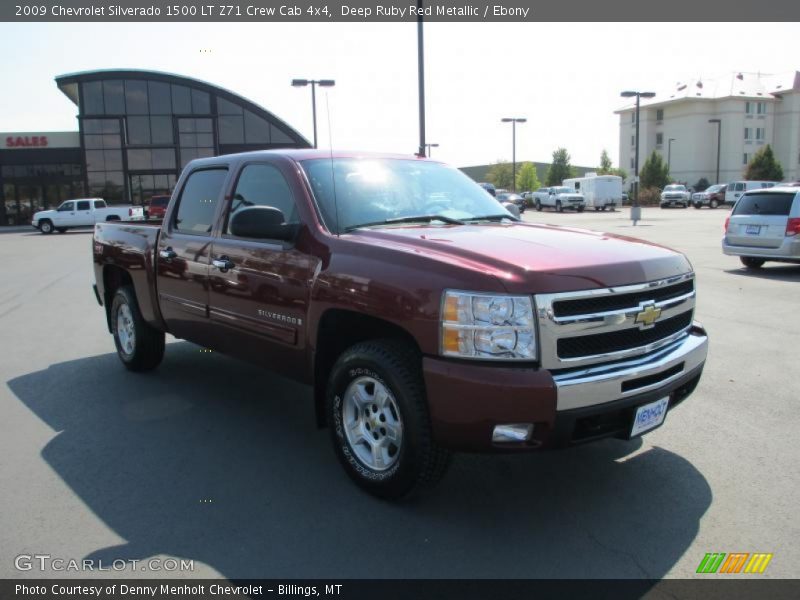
559, 208
539, 206
46, 227
698, 206
751, 262
580, 209
140, 347
378, 412
713, 204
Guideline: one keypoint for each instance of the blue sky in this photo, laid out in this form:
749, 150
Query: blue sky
564, 77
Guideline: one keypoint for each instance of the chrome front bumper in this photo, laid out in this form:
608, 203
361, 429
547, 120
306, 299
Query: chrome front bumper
619, 380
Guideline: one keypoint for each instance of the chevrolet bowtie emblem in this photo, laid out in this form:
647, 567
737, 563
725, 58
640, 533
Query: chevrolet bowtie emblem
646, 317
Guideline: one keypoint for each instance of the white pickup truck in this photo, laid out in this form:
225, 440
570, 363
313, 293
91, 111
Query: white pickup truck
560, 198
83, 213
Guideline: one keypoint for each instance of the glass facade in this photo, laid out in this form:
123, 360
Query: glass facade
139, 130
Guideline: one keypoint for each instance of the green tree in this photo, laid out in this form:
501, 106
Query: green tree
701, 185
560, 169
605, 164
654, 172
500, 174
764, 166
527, 179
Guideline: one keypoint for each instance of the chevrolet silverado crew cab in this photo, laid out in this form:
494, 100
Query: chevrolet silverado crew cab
560, 198
82, 213
426, 317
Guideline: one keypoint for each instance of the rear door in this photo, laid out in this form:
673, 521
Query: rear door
735, 189
759, 219
83, 214
259, 289
183, 254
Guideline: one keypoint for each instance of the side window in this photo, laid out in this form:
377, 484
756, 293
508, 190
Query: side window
99, 204
67, 207
199, 200
739, 186
262, 185
83, 205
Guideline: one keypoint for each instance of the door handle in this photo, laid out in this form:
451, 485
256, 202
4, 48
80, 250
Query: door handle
167, 253
223, 263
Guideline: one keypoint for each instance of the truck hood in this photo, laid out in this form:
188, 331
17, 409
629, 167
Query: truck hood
44, 213
529, 258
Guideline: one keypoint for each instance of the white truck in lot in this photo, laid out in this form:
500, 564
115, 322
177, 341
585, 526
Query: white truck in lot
600, 191
560, 198
83, 212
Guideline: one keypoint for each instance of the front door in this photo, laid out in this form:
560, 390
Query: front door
83, 213
259, 289
183, 254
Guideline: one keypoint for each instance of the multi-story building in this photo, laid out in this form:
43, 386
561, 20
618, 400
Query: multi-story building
753, 110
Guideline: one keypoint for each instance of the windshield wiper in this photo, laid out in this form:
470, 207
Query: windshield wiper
493, 218
411, 219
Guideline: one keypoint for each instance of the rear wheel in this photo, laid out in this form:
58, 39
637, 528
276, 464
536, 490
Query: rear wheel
538, 205
580, 209
378, 410
698, 206
713, 204
559, 208
46, 227
752, 262
140, 347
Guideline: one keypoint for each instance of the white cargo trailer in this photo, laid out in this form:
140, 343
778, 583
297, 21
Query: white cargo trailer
600, 191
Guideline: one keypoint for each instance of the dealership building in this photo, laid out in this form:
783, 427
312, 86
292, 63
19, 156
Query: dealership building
136, 131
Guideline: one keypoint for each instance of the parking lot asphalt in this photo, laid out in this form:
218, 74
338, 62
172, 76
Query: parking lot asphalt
216, 461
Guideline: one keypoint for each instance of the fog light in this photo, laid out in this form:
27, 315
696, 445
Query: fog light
512, 432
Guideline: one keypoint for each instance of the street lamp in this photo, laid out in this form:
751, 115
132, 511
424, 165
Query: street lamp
719, 141
429, 146
636, 210
513, 121
314, 83
669, 153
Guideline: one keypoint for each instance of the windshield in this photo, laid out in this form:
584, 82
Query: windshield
674, 188
563, 190
352, 192
714, 188
159, 201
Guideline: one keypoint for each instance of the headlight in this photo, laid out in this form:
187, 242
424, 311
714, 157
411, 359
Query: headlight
487, 326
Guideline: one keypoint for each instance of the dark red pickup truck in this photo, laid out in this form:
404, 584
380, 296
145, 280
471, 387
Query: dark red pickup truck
427, 318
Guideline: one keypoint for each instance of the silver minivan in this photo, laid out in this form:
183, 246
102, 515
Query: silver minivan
764, 225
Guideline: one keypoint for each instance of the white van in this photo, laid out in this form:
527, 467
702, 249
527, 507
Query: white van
737, 188
600, 191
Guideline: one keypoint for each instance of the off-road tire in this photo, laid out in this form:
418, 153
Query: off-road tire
148, 346
398, 367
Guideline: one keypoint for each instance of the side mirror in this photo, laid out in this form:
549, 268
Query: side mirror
512, 208
262, 223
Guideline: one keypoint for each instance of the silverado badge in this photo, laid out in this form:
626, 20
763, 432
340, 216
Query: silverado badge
647, 316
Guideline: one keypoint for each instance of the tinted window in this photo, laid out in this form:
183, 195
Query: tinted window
199, 200
161, 130
181, 100
83, 205
67, 206
93, 98
159, 98
114, 97
231, 130
263, 185
99, 204
201, 103
764, 204
136, 97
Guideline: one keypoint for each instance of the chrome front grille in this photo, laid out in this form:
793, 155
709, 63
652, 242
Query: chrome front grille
590, 327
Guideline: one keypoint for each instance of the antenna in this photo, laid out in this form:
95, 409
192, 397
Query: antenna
333, 175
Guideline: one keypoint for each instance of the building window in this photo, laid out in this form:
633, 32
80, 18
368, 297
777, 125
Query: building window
660, 114
196, 139
633, 140
748, 133
136, 97
748, 108
761, 133
632, 165
761, 108
659, 139
745, 158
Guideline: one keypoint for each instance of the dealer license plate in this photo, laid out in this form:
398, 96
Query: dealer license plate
649, 416
753, 229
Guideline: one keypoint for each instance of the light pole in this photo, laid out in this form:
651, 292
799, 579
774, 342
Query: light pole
719, 142
429, 146
314, 83
636, 210
513, 121
669, 153
421, 79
